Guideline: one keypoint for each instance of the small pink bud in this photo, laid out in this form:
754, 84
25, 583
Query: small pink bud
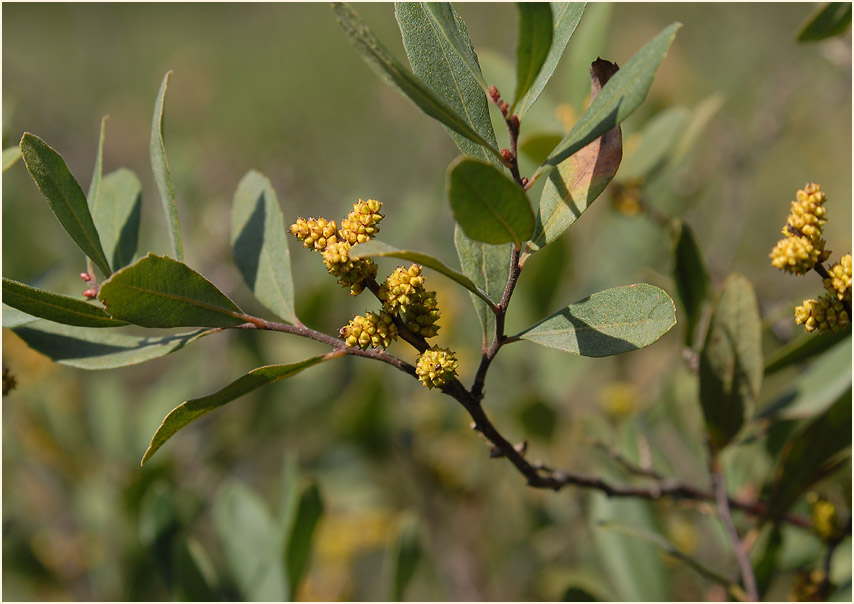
91, 293
86, 277
505, 153
504, 106
493, 93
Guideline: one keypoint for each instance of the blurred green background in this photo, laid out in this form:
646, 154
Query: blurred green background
276, 87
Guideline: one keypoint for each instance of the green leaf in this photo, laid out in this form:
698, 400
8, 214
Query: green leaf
699, 119
488, 206
162, 175
95, 183
810, 455
260, 246
818, 387
11, 155
64, 196
658, 140
117, 212
803, 348
438, 64
12, 317
390, 70
93, 349
54, 307
193, 409
534, 43
538, 146
587, 42
446, 19
157, 291
405, 554
829, 20
692, 280
565, 17
731, 362
609, 322
298, 545
618, 99
249, 543
578, 181
375, 248
488, 266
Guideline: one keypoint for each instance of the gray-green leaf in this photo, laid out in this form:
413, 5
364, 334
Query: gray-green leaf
731, 362
93, 349
488, 266
692, 280
193, 409
117, 212
375, 248
405, 554
535, 41
487, 205
157, 291
299, 540
11, 155
54, 307
446, 19
162, 175
829, 20
260, 246
64, 196
618, 99
609, 322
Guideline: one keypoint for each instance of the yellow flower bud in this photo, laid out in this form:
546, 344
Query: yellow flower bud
315, 234
375, 330
350, 273
362, 223
839, 282
797, 255
827, 315
436, 367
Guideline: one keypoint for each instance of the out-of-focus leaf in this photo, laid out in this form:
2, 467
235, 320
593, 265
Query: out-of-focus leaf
191, 410
488, 266
579, 180
88, 348
64, 196
565, 17
389, 69
97, 171
810, 455
766, 566
162, 175
157, 291
298, 545
608, 322
446, 19
803, 348
731, 362
658, 141
538, 146
11, 155
618, 99
818, 387
829, 20
195, 575
249, 543
534, 43
692, 280
116, 212
260, 246
588, 43
405, 553
54, 307
733, 589
12, 317
699, 120
488, 206
378, 249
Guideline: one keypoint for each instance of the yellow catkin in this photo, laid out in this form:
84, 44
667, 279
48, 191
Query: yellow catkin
374, 330
827, 315
839, 282
436, 367
362, 224
315, 234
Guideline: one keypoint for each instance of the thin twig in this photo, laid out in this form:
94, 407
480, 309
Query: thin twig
627, 465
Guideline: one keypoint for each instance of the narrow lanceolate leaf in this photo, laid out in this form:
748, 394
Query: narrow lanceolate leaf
829, 20
259, 245
12, 317
388, 68
117, 213
618, 99
731, 362
97, 171
532, 48
692, 281
580, 179
803, 348
406, 553
658, 141
64, 196
608, 322
438, 63
11, 156
298, 544
488, 266
488, 206
191, 410
375, 248
94, 349
54, 307
446, 18
162, 175
157, 291
565, 18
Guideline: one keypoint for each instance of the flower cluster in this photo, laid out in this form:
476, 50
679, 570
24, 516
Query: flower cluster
324, 236
404, 290
436, 366
803, 250
376, 330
